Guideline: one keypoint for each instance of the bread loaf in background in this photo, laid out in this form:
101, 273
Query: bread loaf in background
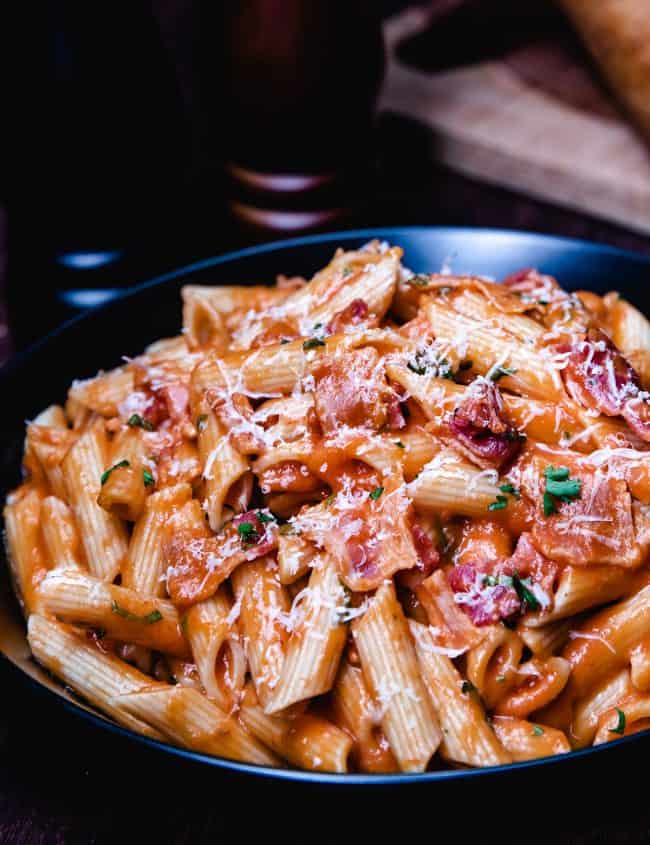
617, 33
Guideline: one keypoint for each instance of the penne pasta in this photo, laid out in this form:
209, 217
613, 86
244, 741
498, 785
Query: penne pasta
390, 667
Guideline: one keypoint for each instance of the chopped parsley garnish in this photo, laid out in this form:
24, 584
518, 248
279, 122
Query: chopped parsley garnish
523, 591
499, 372
538, 730
318, 326
329, 500
118, 465
202, 422
247, 532
286, 529
445, 370
510, 488
148, 619
620, 725
136, 421
376, 493
399, 444
347, 271
559, 487
419, 281
313, 343
466, 687
498, 505
265, 517
148, 478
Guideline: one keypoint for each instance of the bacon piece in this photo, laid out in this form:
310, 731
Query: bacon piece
597, 527
599, 377
196, 566
235, 413
484, 603
478, 430
528, 562
427, 554
350, 391
355, 313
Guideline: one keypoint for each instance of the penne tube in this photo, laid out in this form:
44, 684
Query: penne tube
203, 324
528, 740
604, 642
588, 710
143, 570
222, 466
217, 652
53, 416
190, 719
313, 652
473, 304
105, 392
539, 683
390, 667
103, 535
487, 349
124, 492
92, 673
493, 665
304, 740
129, 444
640, 666
451, 483
60, 536
264, 610
466, 734
582, 587
49, 444
546, 640
359, 714
25, 553
125, 615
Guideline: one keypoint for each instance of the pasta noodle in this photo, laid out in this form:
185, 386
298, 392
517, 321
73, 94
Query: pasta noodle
373, 521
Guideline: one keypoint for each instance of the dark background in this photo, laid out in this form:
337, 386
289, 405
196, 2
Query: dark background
129, 161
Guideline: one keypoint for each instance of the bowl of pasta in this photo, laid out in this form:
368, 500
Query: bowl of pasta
365, 506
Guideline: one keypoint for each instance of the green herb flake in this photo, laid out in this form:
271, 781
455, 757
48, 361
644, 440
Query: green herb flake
499, 372
347, 271
559, 487
498, 505
136, 421
313, 343
376, 493
329, 500
538, 730
184, 624
118, 465
620, 725
466, 687
265, 517
286, 530
510, 488
522, 586
399, 444
148, 619
202, 421
416, 366
247, 532
148, 478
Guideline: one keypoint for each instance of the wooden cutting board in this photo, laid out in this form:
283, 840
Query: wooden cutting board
533, 121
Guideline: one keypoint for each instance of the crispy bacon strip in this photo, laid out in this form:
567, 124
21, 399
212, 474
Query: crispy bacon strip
478, 430
599, 377
196, 566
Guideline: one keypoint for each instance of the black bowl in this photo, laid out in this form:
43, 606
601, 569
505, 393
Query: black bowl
99, 339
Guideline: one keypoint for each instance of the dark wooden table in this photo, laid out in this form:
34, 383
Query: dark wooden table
63, 781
